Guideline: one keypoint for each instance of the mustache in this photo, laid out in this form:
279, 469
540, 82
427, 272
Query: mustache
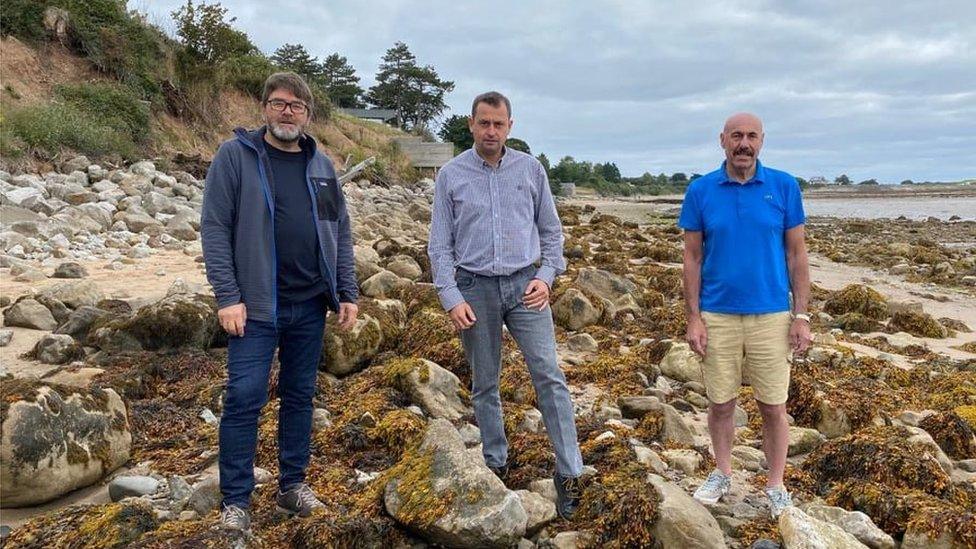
743, 150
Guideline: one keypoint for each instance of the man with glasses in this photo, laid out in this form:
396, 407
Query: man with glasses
494, 218
278, 248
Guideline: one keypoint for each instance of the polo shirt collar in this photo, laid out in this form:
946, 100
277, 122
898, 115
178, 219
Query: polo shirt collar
759, 177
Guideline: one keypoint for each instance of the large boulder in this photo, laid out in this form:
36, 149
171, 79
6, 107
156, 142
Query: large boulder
74, 294
174, 322
28, 313
383, 284
801, 531
57, 439
347, 352
604, 284
682, 521
681, 363
449, 497
431, 387
855, 523
573, 310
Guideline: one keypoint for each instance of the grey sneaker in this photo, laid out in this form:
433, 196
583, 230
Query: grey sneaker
233, 517
779, 500
298, 500
714, 488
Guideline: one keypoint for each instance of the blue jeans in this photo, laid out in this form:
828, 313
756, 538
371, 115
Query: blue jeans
496, 300
298, 340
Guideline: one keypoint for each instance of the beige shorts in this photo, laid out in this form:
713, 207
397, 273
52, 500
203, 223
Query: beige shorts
758, 342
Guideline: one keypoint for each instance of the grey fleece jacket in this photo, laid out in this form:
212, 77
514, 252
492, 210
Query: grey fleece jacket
237, 226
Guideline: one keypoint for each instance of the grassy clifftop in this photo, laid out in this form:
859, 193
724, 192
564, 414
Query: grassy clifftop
95, 79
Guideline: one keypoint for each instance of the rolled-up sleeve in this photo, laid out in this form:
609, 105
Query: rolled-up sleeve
440, 245
550, 231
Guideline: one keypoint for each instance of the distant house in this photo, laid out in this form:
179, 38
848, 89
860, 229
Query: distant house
383, 116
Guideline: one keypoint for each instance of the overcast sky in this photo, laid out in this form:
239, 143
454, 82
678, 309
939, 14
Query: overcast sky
881, 89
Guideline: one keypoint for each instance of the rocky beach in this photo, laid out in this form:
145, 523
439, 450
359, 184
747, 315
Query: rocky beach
113, 372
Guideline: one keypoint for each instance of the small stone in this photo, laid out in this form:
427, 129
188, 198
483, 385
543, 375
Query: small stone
208, 417
5, 336
189, 515
320, 419
132, 486
262, 476
582, 343
367, 420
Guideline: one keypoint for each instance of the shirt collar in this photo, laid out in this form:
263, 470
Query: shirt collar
758, 178
484, 163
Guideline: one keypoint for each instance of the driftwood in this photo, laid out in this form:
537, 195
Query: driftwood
353, 171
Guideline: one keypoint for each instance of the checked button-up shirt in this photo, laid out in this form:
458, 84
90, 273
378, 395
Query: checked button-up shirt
493, 221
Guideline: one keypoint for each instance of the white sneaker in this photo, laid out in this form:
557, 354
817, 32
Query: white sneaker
714, 488
779, 500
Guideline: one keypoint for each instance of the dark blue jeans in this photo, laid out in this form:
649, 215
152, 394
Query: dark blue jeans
298, 340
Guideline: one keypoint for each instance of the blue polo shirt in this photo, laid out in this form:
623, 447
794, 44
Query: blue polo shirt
744, 228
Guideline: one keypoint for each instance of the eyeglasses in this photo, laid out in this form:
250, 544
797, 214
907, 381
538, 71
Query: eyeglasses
297, 107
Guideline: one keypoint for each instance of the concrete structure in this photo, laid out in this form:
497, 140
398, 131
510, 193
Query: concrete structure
425, 155
376, 115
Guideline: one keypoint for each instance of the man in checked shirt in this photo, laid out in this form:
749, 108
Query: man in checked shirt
494, 217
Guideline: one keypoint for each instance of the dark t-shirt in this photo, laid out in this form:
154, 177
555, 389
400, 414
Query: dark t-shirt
296, 241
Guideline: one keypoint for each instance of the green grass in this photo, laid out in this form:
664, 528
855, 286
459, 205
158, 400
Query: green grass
109, 105
53, 127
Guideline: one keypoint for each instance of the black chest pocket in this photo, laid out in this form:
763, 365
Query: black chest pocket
327, 198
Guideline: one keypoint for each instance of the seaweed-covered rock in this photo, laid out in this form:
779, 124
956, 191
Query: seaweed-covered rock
58, 438
857, 298
110, 526
450, 497
346, 352
917, 324
174, 322
58, 349
433, 388
80, 321
952, 434
856, 322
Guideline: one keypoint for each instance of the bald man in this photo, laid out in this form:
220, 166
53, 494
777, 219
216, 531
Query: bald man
744, 256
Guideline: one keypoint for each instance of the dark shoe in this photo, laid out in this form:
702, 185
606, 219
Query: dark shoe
500, 472
233, 517
568, 493
298, 500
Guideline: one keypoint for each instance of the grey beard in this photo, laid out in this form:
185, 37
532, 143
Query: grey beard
284, 135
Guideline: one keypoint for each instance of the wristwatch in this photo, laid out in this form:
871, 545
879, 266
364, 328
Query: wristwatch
802, 316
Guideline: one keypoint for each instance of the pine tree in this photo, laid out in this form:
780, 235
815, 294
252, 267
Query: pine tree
295, 58
341, 82
416, 93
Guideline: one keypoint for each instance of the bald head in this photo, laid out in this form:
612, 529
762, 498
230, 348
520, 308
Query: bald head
742, 139
742, 119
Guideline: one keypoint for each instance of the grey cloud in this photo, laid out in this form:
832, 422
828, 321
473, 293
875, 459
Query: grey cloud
873, 89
